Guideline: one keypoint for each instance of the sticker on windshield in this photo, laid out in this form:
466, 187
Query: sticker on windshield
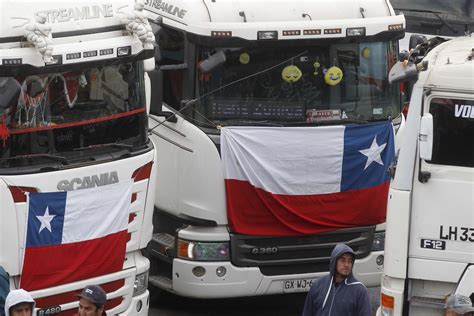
322, 115
377, 111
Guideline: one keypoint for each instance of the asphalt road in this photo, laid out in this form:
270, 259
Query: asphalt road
165, 304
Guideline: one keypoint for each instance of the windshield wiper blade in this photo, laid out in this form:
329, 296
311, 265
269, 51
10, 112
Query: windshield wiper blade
118, 145
251, 123
61, 159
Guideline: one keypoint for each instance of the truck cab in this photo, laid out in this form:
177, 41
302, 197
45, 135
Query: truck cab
73, 117
430, 223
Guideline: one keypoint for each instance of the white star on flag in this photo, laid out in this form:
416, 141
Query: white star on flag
46, 220
373, 153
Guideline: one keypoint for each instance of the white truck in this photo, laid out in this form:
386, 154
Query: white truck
429, 244
73, 117
268, 68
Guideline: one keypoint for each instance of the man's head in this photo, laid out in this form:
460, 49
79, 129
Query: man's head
458, 305
19, 303
342, 261
92, 301
344, 265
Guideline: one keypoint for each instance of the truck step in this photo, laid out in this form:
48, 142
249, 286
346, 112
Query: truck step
163, 246
161, 282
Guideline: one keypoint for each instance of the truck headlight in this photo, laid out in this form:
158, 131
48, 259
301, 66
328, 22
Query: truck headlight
379, 241
141, 283
203, 251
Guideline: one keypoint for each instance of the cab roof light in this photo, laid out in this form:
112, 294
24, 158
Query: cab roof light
312, 32
333, 31
291, 33
267, 35
12, 61
106, 51
221, 33
92, 53
355, 31
73, 56
395, 27
124, 51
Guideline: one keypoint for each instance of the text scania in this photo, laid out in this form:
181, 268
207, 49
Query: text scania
166, 7
88, 181
79, 13
464, 111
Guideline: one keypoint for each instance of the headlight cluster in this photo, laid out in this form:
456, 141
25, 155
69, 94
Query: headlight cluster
141, 284
379, 241
203, 251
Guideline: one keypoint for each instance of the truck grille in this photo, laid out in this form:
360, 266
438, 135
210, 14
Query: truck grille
300, 254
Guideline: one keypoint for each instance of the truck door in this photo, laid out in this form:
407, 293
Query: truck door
442, 219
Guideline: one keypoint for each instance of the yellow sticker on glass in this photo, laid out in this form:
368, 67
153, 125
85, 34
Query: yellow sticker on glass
244, 58
333, 76
291, 74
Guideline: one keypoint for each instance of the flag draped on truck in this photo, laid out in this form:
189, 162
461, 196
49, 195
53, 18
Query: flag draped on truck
75, 235
284, 181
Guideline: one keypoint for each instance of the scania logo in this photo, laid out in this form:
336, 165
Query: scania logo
88, 181
264, 250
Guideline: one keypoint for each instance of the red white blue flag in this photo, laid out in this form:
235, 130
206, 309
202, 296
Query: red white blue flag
284, 181
75, 235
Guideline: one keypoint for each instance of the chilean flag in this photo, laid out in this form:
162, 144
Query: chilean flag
75, 235
283, 181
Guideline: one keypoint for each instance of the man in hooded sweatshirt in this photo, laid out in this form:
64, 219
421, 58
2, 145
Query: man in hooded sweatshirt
338, 293
19, 303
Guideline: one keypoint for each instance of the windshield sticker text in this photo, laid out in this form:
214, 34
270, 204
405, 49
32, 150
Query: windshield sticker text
79, 13
166, 7
456, 233
464, 111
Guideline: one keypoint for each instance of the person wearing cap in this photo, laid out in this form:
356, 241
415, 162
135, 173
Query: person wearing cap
458, 304
92, 301
338, 293
19, 303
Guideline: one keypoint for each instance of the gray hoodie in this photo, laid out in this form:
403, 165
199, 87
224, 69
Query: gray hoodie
348, 298
16, 297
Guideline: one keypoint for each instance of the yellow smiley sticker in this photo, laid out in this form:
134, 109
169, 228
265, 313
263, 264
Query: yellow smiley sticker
244, 58
333, 76
291, 74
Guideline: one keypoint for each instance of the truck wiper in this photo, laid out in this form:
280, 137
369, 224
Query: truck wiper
117, 145
251, 123
61, 159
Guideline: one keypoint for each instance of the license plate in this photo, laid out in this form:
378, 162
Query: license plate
49, 311
300, 285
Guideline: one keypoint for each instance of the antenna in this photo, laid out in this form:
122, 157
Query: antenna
306, 15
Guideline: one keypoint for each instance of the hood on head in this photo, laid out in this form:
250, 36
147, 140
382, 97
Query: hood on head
338, 251
16, 297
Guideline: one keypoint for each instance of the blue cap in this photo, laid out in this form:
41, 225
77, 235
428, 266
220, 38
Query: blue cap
94, 294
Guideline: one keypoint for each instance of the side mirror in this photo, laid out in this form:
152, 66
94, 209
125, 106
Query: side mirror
416, 39
401, 71
213, 61
9, 92
425, 137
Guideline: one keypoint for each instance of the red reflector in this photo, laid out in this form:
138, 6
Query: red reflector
405, 109
134, 197
131, 217
143, 172
18, 193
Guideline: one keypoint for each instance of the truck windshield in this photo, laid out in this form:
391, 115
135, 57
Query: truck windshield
299, 85
73, 116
